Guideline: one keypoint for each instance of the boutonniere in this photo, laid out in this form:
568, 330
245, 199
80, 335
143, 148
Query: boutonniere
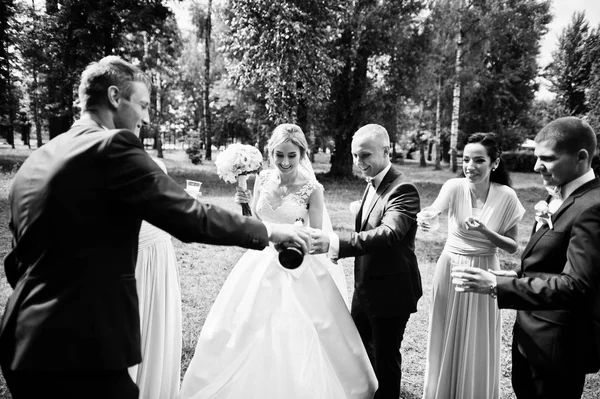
543, 214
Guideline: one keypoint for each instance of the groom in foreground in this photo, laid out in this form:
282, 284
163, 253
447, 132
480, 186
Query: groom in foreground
387, 278
71, 327
556, 337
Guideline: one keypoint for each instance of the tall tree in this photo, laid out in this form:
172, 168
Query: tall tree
8, 98
504, 82
78, 33
207, 45
35, 63
570, 68
436, 75
593, 84
280, 50
488, 82
374, 38
203, 21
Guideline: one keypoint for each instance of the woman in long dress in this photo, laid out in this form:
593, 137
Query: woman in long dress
159, 294
274, 332
463, 352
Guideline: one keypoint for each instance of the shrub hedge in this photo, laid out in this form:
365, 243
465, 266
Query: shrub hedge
519, 161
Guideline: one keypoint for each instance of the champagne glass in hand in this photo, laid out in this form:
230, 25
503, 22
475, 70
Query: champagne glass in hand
428, 219
192, 187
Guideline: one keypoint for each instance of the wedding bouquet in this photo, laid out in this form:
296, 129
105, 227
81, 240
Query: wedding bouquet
236, 163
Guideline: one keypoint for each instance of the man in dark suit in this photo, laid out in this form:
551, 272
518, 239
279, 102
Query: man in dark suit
556, 337
71, 327
387, 278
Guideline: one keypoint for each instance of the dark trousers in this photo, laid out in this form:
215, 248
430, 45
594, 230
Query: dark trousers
70, 384
382, 337
533, 382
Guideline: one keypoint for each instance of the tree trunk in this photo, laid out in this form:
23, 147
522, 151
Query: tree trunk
302, 120
438, 128
341, 159
36, 110
456, 101
422, 160
422, 141
157, 134
348, 93
158, 143
208, 125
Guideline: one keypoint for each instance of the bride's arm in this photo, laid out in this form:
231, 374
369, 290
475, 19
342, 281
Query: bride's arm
245, 197
315, 208
254, 199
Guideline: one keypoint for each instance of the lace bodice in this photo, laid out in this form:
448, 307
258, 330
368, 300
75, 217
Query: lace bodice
293, 205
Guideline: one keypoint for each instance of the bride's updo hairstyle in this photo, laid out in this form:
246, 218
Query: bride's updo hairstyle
284, 133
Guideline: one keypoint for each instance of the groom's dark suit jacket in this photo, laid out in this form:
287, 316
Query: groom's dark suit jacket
77, 204
567, 261
387, 277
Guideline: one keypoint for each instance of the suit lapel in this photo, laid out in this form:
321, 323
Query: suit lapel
358, 220
389, 177
536, 235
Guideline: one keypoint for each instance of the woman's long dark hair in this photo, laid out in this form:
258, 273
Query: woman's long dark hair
499, 175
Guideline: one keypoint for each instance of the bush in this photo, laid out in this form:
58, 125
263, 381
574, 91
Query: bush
519, 161
194, 153
8, 165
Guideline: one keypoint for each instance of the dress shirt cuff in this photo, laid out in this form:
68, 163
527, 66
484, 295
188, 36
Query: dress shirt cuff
334, 247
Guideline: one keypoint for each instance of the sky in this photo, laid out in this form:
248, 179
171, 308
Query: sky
561, 9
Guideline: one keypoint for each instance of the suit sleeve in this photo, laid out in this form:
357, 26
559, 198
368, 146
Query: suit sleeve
577, 285
136, 182
399, 218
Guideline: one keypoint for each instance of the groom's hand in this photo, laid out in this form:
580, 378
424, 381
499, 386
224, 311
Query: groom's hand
319, 242
281, 233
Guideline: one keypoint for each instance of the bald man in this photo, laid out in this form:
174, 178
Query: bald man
387, 278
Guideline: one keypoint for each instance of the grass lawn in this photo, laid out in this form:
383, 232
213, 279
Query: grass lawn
204, 268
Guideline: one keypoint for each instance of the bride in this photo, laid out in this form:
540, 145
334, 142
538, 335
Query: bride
274, 332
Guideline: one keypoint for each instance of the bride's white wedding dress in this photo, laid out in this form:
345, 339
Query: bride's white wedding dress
277, 333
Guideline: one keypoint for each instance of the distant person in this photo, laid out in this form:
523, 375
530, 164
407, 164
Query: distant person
71, 328
25, 128
556, 337
279, 333
465, 330
386, 273
159, 296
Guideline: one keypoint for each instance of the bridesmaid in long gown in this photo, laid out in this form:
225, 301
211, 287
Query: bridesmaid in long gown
274, 332
463, 352
157, 279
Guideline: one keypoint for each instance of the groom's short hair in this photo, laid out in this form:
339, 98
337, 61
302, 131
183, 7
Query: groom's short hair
569, 134
109, 71
377, 132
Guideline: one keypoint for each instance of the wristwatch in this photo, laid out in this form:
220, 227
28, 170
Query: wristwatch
494, 290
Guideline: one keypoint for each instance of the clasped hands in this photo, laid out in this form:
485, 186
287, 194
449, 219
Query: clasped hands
312, 241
